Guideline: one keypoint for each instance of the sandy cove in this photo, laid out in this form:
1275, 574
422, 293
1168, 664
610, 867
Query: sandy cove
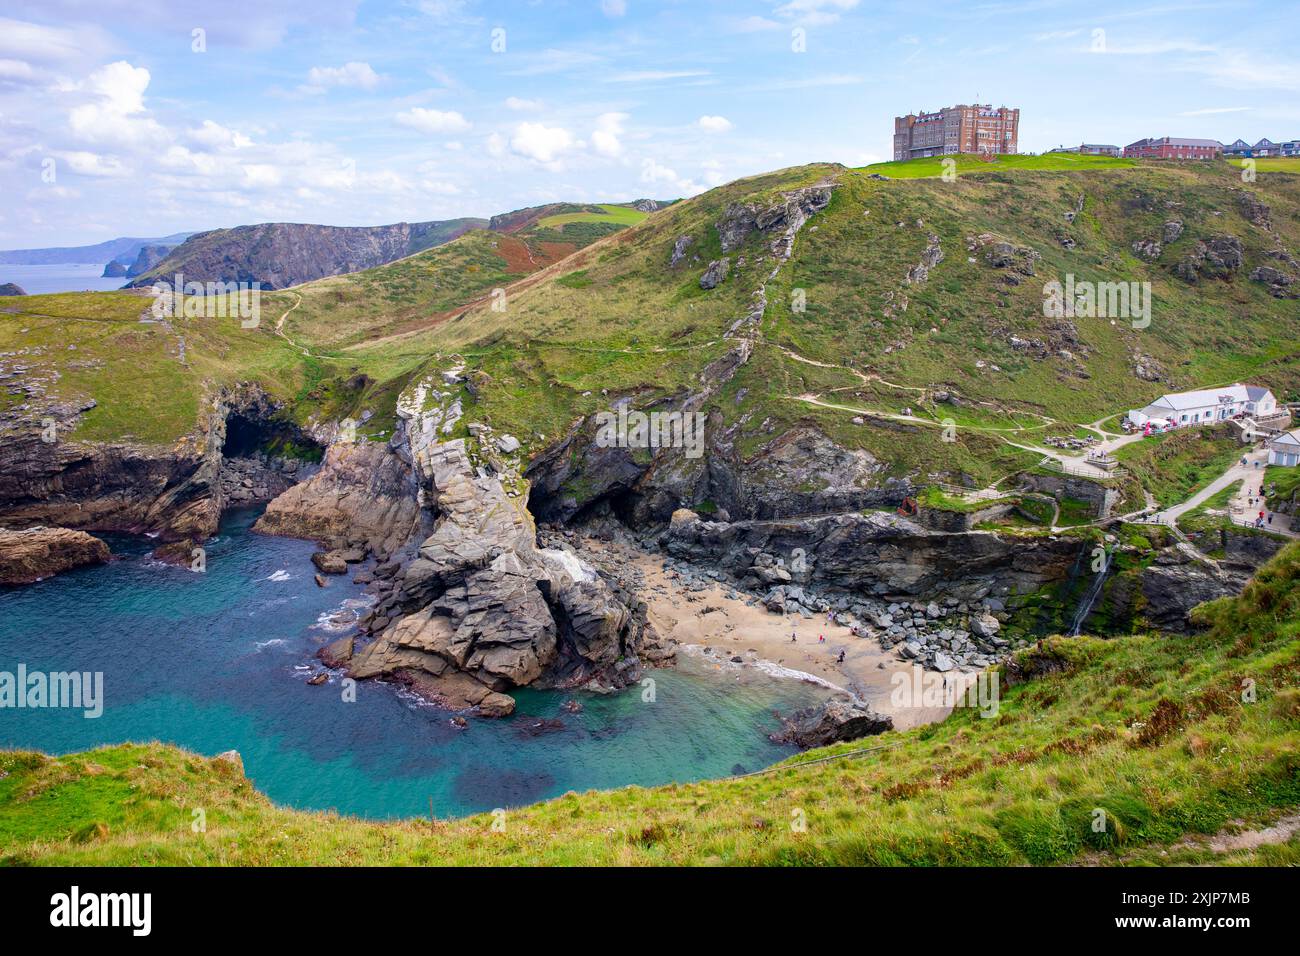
712, 618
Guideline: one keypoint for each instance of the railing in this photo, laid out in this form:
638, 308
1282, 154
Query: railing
1101, 474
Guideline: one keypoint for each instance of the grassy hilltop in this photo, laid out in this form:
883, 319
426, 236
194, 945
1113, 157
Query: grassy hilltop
1155, 732
966, 343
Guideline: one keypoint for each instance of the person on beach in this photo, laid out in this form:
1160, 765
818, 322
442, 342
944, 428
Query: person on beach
840, 659
792, 636
821, 638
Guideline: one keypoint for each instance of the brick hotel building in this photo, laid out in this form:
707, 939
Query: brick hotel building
956, 129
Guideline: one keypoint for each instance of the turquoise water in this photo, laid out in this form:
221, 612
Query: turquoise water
220, 661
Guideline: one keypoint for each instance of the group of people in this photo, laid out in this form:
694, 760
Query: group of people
821, 638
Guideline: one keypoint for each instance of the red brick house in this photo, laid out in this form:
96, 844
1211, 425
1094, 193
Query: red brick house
1174, 147
978, 129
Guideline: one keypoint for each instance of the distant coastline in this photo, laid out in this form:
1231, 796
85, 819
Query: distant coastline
60, 277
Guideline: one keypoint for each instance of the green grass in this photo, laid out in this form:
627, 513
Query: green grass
1272, 164
1048, 162
1176, 465
1153, 731
1285, 483
602, 213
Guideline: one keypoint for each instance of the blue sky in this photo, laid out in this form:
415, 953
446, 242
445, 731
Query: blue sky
357, 112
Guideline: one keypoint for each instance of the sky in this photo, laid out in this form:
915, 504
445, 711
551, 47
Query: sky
149, 117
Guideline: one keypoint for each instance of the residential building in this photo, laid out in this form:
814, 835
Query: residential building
1210, 405
1174, 147
977, 128
1240, 149
1285, 449
1089, 149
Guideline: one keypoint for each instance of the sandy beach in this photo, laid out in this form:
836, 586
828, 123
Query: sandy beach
711, 618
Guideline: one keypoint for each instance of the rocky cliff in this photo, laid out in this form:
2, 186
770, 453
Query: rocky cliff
282, 254
468, 605
37, 553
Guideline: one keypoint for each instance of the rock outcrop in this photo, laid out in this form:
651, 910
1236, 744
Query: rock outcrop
879, 555
831, 722
481, 609
1218, 257
11, 288
365, 494
37, 553
1175, 582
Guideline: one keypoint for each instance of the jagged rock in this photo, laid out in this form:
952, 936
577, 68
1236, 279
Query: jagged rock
508, 444
330, 562
679, 249
337, 653
930, 258
1276, 280
1147, 249
834, 721
229, 762
1255, 211
985, 625
11, 288
1173, 228
1215, 258
37, 553
366, 491
715, 273
877, 554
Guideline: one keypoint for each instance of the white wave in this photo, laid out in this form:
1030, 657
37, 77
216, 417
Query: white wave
279, 576
762, 665
342, 618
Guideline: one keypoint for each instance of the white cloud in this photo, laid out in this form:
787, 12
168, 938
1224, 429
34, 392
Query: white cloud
543, 144
215, 136
521, 105
114, 112
1216, 110
605, 138
433, 121
651, 76
714, 124
613, 8
654, 174
815, 12
41, 44
92, 164
353, 74
756, 25
496, 145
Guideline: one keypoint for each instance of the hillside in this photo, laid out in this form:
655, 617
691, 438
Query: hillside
1174, 741
280, 254
963, 338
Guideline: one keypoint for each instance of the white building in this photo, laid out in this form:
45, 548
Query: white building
1210, 405
1285, 449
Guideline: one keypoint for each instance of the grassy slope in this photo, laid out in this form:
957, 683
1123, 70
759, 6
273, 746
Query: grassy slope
1152, 730
614, 317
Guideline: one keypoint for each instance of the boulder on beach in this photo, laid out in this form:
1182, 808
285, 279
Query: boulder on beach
836, 720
